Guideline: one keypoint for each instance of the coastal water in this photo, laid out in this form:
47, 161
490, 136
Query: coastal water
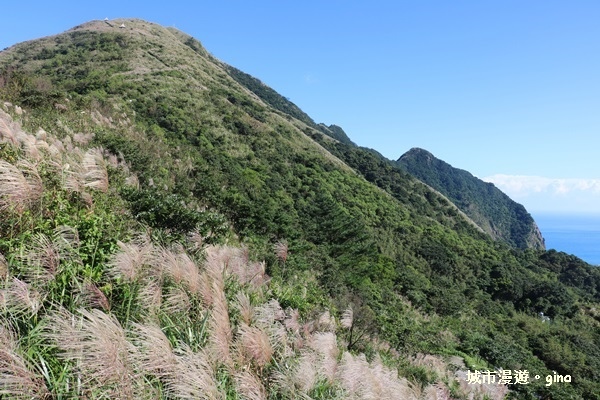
573, 234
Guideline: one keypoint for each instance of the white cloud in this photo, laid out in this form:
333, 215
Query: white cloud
550, 194
310, 79
524, 184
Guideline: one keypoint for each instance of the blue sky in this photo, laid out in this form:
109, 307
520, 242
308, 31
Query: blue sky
508, 90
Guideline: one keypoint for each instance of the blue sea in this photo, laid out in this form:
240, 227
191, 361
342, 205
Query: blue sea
573, 234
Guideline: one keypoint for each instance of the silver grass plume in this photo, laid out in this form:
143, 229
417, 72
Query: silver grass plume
95, 174
18, 380
97, 343
21, 299
129, 262
193, 377
20, 186
249, 386
254, 345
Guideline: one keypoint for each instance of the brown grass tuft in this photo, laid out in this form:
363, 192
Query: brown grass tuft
281, 250
92, 297
254, 345
95, 174
362, 380
180, 268
249, 386
3, 267
17, 378
220, 334
97, 343
130, 260
20, 186
244, 307
21, 298
193, 377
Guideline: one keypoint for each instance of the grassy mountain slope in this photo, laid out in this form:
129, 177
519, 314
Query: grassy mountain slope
195, 154
490, 208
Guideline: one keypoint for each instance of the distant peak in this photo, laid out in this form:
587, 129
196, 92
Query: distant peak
417, 152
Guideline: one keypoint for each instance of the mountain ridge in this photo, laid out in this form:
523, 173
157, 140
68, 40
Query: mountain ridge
494, 211
194, 159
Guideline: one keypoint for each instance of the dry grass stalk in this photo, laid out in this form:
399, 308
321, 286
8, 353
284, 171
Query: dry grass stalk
195, 241
326, 322
244, 307
361, 380
83, 139
95, 175
304, 375
269, 317
133, 181
254, 345
281, 250
193, 378
3, 267
491, 391
130, 260
69, 237
292, 320
44, 254
17, 379
249, 386
256, 274
7, 129
325, 345
42, 259
206, 291
21, 298
20, 186
155, 354
347, 318
220, 259
92, 297
176, 301
268, 313
97, 342
150, 296
434, 363
437, 391
71, 177
179, 267
220, 334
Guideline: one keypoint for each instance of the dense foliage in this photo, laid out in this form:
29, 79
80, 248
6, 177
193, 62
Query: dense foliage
198, 156
495, 212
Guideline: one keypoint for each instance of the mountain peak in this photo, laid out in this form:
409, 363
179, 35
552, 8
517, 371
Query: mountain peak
490, 208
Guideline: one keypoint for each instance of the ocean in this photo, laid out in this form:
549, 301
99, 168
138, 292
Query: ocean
573, 234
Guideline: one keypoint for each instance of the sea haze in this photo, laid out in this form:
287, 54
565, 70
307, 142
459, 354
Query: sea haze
576, 234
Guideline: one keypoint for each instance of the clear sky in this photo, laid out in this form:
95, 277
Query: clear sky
508, 90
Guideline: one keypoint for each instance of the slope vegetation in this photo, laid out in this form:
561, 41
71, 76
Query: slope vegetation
488, 206
189, 152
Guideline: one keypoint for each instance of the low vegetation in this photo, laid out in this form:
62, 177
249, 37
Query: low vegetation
166, 233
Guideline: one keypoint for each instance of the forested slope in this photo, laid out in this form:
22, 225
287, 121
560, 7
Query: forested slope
193, 153
495, 212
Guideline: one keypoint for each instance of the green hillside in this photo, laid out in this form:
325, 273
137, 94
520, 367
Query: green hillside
212, 241
495, 212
